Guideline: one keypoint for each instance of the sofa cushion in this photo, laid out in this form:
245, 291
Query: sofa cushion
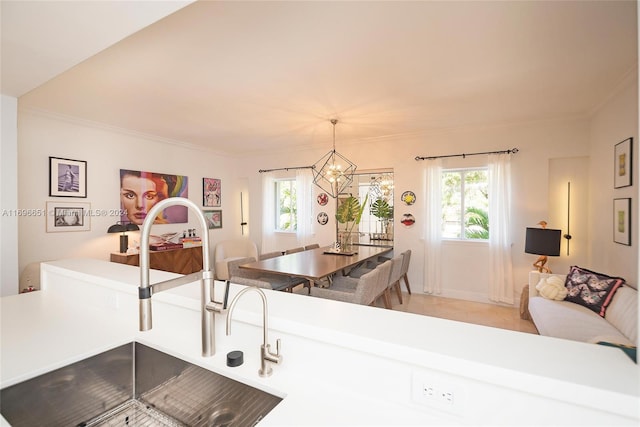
552, 287
623, 312
590, 289
564, 319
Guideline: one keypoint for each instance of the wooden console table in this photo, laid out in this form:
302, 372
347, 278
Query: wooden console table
181, 261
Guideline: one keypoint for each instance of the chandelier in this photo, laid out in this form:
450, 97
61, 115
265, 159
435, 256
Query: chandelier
333, 172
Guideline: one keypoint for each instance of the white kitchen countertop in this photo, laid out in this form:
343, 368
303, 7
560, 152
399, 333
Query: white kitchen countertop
343, 364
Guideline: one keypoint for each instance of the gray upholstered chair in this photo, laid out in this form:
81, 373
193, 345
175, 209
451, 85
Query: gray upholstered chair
311, 246
405, 269
269, 255
397, 263
365, 290
277, 282
293, 250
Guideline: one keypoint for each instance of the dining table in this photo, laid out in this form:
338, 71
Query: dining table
317, 264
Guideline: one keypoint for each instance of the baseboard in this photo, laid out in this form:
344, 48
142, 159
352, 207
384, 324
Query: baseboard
475, 297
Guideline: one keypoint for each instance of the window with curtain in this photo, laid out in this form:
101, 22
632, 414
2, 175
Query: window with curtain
465, 204
286, 210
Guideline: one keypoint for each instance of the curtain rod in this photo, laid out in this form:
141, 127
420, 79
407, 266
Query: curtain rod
286, 169
513, 150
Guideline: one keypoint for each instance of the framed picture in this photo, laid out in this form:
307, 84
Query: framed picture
67, 178
623, 163
140, 191
622, 221
211, 195
69, 216
214, 218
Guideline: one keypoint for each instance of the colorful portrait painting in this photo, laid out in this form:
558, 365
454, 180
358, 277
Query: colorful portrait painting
140, 191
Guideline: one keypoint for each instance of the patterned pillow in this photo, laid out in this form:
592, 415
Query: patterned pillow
590, 289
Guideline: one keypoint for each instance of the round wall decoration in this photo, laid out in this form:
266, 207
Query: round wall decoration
323, 218
408, 220
323, 199
408, 197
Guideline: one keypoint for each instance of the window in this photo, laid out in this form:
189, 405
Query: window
465, 191
286, 210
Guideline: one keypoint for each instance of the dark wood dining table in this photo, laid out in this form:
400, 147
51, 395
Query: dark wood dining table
316, 264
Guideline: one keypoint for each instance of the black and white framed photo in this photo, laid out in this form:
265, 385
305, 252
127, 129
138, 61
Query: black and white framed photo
623, 164
68, 216
622, 221
67, 177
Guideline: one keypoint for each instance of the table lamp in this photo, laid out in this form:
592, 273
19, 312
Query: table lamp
120, 227
544, 242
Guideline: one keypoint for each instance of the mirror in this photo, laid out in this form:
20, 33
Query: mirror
374, 191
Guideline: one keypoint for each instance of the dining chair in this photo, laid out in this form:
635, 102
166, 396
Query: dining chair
229, 250
365, 290
405, 269
311, 246
269, 255
294, 250
247, 277
397, 263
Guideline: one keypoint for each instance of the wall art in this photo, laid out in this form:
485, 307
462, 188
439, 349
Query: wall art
408, 220
622, 221
211, 192
67, 177
322, 218
623, 164
140, 191
408, 197
68, 216
214, 218
323, 199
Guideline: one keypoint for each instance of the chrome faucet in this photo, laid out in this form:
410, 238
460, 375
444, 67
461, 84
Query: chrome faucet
265, 349
207, 304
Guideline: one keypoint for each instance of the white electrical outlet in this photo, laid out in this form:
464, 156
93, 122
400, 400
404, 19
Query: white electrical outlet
438, 391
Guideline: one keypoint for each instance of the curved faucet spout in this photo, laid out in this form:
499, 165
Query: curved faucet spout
265, 348
208, 305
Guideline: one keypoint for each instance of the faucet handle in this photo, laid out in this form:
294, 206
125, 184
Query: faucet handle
278, 343
226, 296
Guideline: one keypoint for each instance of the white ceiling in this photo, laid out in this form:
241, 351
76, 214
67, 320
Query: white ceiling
251, 76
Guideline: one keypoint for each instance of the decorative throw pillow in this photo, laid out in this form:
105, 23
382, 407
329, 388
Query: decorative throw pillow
590, 289
552, 287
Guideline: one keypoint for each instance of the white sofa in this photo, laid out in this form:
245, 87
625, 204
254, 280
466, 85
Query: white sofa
568, 320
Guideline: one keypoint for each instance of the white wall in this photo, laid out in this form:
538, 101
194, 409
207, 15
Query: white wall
107, 150
538, 142
9, 197
616, 121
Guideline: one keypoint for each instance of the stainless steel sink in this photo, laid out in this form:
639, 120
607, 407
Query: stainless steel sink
134, 385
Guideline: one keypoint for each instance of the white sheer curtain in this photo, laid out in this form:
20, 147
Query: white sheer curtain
304, 205
500, 265
268, 213
433, 227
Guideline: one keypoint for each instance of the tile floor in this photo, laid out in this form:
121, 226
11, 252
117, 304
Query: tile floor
465, 311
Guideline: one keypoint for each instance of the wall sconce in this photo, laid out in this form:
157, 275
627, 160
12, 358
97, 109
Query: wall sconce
544, 242
119, 227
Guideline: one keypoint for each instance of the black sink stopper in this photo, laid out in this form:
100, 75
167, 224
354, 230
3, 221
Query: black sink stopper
235, 358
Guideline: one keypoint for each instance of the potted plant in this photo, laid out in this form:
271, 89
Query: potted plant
382, 210
349, 212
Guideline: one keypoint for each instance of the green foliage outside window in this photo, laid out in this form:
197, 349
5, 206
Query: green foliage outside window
287, 212
465, 191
